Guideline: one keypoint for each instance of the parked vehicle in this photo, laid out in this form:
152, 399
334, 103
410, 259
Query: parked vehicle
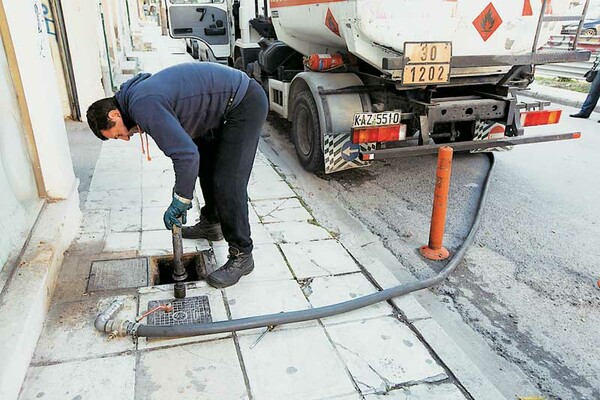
368, 79
591, 27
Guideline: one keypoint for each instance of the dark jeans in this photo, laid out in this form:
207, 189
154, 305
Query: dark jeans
226, 160
592, 98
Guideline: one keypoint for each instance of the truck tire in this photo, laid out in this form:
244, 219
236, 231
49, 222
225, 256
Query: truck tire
306, 132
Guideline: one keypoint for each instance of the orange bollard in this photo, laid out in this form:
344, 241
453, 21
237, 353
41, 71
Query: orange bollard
436, 250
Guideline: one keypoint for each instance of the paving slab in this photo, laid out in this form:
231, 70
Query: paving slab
263, 173
95, 379
294, 364
269, 190
195, 371
443, 391
122, 241
108, 199
152, 218
69, 332
318, 258
260, 235
193, 289
261, 298
281, 210
159, 178
294, 232
117, 163
383, 353
95, 221
329, 290
113, 180
128, 219
157, 197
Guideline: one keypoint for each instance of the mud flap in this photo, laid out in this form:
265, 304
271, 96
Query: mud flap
340, 153
487, 130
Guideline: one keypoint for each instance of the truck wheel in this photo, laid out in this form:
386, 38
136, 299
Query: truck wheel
306, 132
589, 32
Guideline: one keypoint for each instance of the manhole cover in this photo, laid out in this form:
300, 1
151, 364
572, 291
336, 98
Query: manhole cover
118, 274
191, 310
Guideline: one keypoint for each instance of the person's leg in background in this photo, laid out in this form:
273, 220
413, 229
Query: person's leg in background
591, 100
235, 157
209, 226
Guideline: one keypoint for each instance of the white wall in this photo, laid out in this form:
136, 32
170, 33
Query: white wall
28, 31
51, 27
82, 20
19, 201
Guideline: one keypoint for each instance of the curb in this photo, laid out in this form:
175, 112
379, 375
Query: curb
30, 290
545, 94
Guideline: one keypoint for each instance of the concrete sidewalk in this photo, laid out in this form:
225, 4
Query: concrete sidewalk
373, 353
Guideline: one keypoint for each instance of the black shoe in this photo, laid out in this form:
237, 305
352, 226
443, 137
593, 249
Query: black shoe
203, 230
239, 264
579, 115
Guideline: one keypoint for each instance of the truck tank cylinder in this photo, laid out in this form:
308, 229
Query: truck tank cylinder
323, 62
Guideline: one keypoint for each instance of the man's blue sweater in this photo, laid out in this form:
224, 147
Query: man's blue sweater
178, 104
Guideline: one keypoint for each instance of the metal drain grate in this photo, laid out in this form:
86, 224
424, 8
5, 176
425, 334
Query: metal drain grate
191, 310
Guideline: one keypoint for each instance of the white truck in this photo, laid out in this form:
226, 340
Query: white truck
362, 80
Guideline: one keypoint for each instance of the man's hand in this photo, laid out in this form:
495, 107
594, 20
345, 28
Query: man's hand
177, 209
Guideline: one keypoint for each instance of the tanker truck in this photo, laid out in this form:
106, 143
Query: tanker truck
362, 80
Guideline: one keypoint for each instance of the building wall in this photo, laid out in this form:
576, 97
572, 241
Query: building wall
19, 200
51, 27
32, 49
82, 20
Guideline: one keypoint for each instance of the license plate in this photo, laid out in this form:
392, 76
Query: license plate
363, 120
427, 52
427, 63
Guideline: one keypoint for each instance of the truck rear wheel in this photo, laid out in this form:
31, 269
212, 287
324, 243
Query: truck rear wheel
306, 132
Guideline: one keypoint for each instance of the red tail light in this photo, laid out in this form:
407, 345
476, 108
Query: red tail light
379, 134
540, 117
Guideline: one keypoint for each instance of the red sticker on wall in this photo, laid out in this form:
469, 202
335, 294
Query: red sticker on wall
331, 23
487, 22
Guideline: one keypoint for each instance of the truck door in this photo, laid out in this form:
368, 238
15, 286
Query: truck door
204, 21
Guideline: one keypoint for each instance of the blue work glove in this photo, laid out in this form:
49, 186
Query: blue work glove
177, 209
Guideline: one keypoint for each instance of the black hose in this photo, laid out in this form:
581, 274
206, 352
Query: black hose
326, 311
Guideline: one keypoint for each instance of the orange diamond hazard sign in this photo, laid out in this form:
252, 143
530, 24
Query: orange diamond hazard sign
487, 22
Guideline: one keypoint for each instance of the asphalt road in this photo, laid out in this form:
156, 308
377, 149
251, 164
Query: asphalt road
528, 285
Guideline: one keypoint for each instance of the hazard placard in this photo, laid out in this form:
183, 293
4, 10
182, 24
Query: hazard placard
487, 22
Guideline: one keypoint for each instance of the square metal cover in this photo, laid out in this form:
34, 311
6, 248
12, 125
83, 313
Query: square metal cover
190, 310
118, 274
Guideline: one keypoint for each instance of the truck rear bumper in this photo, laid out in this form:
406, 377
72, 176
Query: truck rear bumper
538, 58
464, 146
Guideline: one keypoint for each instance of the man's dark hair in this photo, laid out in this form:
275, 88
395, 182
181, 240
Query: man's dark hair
97, 115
